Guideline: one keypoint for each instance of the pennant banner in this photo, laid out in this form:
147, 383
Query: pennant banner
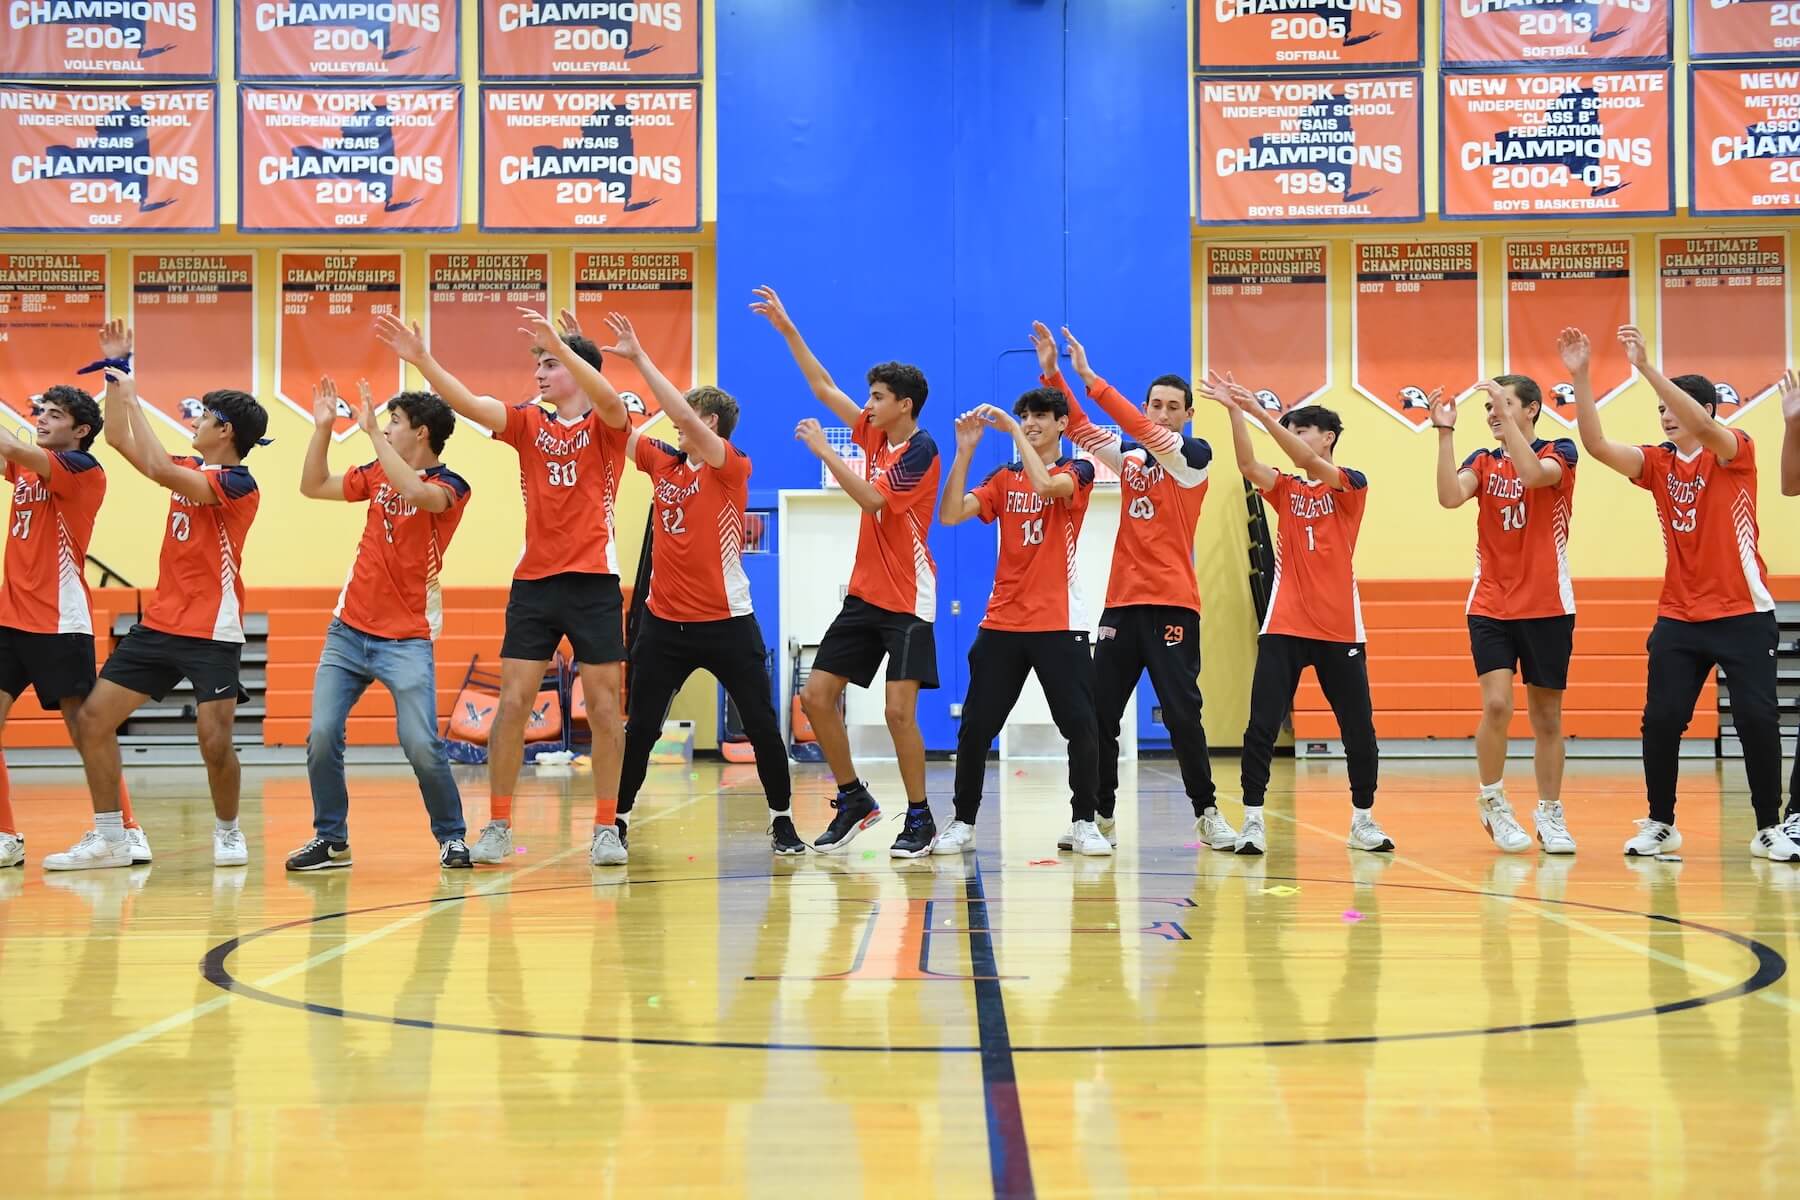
1722, 311
584, 39
51, 309
1743, 29
472, 313
1308, 151
305, 41
1556, 144
1271, 35
139, 40
1744, 130
1553, 285
1487, 33
1268, 320
1416, 322
329, 303
194, 317
655, 289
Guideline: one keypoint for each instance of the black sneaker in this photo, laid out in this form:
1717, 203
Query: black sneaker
454, 854
855, 813
782, 837
619, 823
321, 855
918, 837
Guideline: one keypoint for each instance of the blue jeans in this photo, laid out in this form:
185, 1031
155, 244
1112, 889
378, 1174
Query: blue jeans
351, 661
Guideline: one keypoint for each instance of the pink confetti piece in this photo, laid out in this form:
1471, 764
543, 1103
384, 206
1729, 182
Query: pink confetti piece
518, 849
1045, 862
1191, 846
1352, 916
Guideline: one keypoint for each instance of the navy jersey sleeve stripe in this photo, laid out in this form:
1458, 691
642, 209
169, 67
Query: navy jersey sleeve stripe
909, 469
75, 461
237, 482
1565, 450
1356, 479
1084, 472
1197, 453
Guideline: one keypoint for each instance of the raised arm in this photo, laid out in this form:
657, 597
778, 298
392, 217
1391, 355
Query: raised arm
959, 504
146, 453
1233, 398
1164, 444
868, 497
1534, 472
697, 435
1050, 487
1304, 457
1576, 352
316, 480
402, 477
406, 341
25, 454
546, 340
1455, 486
1790, 438
768, 305
1104, 445
1689, 411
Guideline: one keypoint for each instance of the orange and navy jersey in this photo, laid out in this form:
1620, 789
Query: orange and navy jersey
392, 590
697, 535
1036, 587
1522, 536
46, 587
569, 472
200, 581
1708, 514
1314, 594
894, 569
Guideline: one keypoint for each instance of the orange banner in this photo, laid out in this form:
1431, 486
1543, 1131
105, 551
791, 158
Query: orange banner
1744, 132
473, 300
51, 309
567, 159
99, 39
329, 303
1722, 311
311, 160
1488, 33
306, 41
1553, 285
1268, 320
584, 39
110, 160
194, 316
1307, 151
1557, 144
1415, 318
655, 288
1270, 35
1743, 29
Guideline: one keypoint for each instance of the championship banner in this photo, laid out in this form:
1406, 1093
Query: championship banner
1744, 135
472, 303
194, 320
51, 309
1275, 35
581, 39
139, 160
117, 39
1268, 320
1416, 323
1310, 151
1722, 311
1743, 29
329, 303
1553, 285
569, 159
317, 160
655, 289
309, 41
1492, 33
1557, 144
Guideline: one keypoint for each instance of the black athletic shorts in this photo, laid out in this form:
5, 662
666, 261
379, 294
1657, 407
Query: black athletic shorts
862, 635
153, 662
582, 607
1537, 647
60, 666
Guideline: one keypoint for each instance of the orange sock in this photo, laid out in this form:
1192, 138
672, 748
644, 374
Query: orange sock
6, 813
500, 808
606, 811
125, 804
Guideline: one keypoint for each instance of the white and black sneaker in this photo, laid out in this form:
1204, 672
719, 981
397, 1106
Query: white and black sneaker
1253, 838
321, 855
856, 811
1775, 845
1653, 838
1365, 834
783, 838
453, 854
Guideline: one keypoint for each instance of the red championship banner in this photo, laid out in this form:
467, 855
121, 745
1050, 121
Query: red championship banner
1490, 33
1553, 285
1743, 29
139, 160
329, 303
1274, 35
315, 160
472, 302
194, 319
567, 159
1268, 320
116, 39
1557, 144
1416, 323
585, 39
1744, 130
1307, 151
308, 41
655, 289
51, 309
1722, 311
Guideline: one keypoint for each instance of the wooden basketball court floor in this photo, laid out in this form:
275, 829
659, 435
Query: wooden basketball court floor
1445, 1021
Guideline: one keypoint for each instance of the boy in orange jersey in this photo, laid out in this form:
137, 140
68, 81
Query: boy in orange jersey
1716, 610
1521, 607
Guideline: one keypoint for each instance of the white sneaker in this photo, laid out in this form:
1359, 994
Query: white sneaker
1552, 834
1085, 838
229, 848
1653, 838
1214, 830
1775, 845
958, 838
1109, 829
1253, 838
12, 850
140, 845
1497, 818
607, 850
90, 852
1365, 834
494, 845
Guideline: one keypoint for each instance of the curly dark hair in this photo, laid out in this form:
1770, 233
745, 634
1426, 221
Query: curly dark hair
248, 419
708, 400
1315, 416
1042, 400
904, 380
427, 411
79, 405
